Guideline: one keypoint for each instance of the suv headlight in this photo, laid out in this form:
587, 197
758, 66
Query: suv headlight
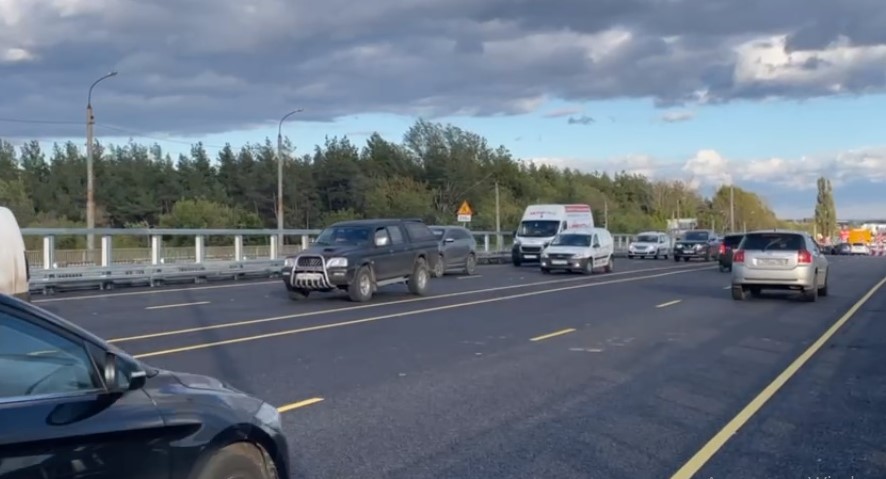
337, 263
289, 262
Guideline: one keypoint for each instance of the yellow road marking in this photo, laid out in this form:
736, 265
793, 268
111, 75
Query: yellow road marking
178, 305
342, 324
373, 305
154, 291
669, 303
300, 404
554, 334
718, 441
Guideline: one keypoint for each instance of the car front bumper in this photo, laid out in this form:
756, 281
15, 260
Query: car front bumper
564, 263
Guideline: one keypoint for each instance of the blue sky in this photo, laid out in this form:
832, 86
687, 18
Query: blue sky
697, 90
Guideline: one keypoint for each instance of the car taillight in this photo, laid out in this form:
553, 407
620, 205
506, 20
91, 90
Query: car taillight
804, 257
738, 256
722, 249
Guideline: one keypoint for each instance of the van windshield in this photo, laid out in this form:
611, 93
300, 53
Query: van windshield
538, 229
572, 240
647, 239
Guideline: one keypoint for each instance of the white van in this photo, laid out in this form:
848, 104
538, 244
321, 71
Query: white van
582, 249
14, 271
539, 225
652, 244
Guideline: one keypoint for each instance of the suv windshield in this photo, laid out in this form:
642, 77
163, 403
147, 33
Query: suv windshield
647, 239
773, 242
538, 229
696, 236
344, 235
572, 240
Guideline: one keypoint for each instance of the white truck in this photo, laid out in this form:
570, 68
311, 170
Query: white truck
539, 225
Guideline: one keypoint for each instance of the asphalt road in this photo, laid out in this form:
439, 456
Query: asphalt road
512, 373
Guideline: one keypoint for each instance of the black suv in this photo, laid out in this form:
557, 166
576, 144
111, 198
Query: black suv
362, 255
727, 246
74, 406
701, 244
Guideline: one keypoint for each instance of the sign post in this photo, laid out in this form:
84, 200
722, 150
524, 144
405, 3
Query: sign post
465, 213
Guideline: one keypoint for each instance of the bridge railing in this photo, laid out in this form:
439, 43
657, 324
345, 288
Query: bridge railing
153, 256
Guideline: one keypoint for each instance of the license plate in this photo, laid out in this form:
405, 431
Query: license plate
309, 276
530, 256
773, 262
558, 261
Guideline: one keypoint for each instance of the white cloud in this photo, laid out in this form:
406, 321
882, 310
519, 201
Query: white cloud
677, 116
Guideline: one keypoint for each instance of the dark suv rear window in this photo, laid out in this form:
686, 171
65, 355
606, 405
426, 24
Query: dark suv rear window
732, 241
773, 242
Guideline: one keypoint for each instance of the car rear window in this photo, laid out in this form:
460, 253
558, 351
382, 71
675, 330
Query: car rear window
732, 241
773, 242
419, 231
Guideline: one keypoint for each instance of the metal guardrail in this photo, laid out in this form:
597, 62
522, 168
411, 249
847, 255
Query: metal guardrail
53, 270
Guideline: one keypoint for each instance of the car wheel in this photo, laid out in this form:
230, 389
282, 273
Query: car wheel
238, 461
676, 259
823, 291
516, 261
589, 267
610, 266
686, 259
630, 256
418, 280
739, 293
545, 270
360, 290
471, 264
440, 267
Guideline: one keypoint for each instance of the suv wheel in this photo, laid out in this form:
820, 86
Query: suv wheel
471, 264
360, 290
418, 280
239, 460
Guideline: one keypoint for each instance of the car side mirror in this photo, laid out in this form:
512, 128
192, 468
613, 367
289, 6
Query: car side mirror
116, 379
449, 240
596, 245
381, 239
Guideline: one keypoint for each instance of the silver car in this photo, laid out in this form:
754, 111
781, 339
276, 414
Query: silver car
779, 259
458, 249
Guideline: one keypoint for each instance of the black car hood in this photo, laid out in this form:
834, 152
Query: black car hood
333, 250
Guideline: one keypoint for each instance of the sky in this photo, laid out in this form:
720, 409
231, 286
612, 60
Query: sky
764, 94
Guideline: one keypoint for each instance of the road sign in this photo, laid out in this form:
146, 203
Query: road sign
465, 213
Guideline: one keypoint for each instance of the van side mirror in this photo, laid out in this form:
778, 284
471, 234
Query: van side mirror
381, 238
449, 240
116, 378
597, 244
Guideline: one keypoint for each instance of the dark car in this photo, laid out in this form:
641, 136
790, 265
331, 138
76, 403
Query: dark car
843, 249
458, 249
700, 244
363, 255
74, 406
724, 256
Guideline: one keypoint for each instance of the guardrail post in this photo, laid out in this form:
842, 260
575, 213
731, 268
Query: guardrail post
48, 252
305, 242
486, 243
238, 248
273, 249
107, 251
156, 242
199, 249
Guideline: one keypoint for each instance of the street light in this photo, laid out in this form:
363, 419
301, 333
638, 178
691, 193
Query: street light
90, 199
280, 177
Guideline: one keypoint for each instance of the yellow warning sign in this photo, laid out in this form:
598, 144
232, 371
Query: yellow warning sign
465, 209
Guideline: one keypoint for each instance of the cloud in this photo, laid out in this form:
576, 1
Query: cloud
561, 112
208, 66
580, 120
677, 116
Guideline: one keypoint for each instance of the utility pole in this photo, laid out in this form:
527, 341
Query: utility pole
90, 175
498, 238
280, 179
606, 214
732, 208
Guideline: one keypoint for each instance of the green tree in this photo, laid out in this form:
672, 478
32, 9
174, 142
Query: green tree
825, 209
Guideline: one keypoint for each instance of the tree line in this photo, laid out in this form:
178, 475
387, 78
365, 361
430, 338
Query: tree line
428, 174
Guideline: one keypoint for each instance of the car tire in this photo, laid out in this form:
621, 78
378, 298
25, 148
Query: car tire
545, 270
589, 267
419, 279
823, 291
610, 266
686, 259
739, 293
360, 290
298, 294
630, 256
676, 259
440, 267
516, 261
241, 460
471, 264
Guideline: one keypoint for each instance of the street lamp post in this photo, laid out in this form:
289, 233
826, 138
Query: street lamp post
280, 177
90, 180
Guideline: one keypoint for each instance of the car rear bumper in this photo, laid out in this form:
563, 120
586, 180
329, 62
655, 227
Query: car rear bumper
800, 276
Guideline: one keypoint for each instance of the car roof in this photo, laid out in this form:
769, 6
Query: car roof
375, 222
447, 227
778, 230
